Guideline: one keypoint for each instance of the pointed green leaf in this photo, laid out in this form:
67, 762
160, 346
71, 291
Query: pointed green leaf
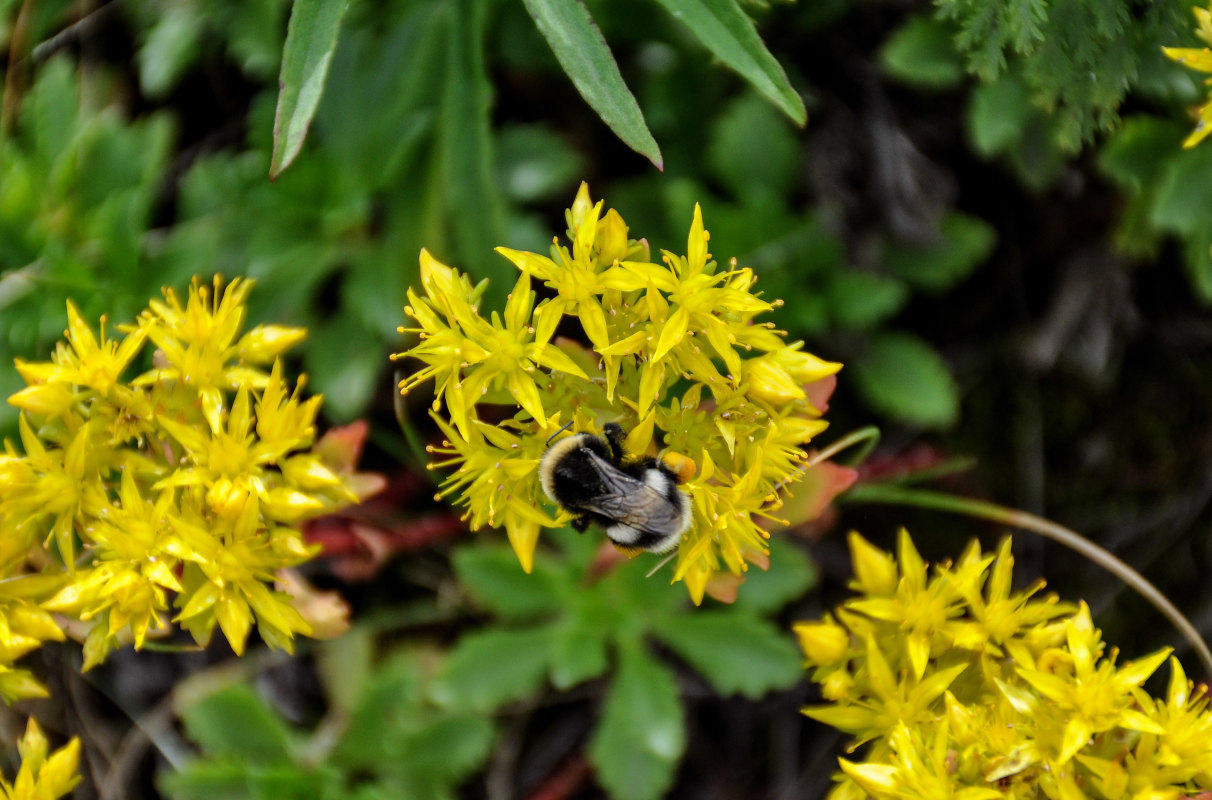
311, 38
753, 150
206, 780
235, 721
170, 47
862, 300
344, 665
905, 378
735, 652
1184, 197
487, 669
578, 653
920, 53
585, 56
642, 735
997, 115
290, 782
729, 33
468, 185
493, 577
449, 748
791, 574
1139, 150
963, 243
392, 696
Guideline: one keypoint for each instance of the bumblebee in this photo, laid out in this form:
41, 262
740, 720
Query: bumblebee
635, 499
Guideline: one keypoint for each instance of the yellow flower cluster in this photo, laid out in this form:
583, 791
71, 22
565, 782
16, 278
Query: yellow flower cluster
966, 690
43, 775
180, 487
1198, 58
673, 355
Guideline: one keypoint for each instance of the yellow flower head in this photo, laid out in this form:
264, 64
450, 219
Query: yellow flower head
964, 689
43, 775
674, 355
177, 489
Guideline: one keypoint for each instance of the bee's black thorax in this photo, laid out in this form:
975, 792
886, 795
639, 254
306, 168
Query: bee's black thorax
635, 499
573, 478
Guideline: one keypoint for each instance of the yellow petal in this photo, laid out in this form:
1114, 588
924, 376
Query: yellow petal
47, 399
532, 263
523, 538
235, 620
1077, 733
672, 332
770, 382
696, 242
874, 570
1199, 58
291, 505
264, 343
823, 643
876, 779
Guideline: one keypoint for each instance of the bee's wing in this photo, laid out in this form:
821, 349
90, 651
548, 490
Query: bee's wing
631, 501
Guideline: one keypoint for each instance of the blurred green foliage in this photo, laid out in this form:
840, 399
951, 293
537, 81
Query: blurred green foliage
406, 149
398, 727
390, 741
554, 626
135, 148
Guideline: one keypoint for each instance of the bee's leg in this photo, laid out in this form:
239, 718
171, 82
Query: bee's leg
580, 524
615, 435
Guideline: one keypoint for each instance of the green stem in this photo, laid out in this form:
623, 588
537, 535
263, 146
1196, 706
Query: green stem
922, 498
869, 437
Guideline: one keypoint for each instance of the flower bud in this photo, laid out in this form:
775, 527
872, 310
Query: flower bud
874, 570
264, 343
611, 239
823, 643
770, 382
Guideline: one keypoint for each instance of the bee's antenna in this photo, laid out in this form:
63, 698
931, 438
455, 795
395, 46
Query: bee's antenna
557, 433
664, 561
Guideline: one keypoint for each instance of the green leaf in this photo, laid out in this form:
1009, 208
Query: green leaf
1040, 155
578, 653
921, 53
311, 38
729, 33
450, 748
392, 699
489, 668
344, 665
170, 47
494, 577
862, 300
964, 242
1198, 264
1135, 155
585, 56
752, 149
735, 652
473, 202
207, 780
1184, 195
641, 737
381, 96
234, 721
534, 163
293, 783
903, 377
346, 376
791, 574
997, 115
